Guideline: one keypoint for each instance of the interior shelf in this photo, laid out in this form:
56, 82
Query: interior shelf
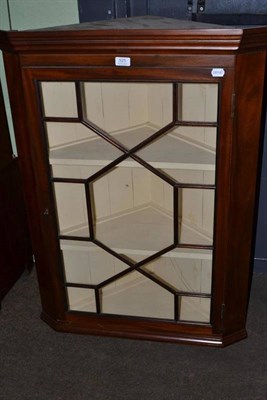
170, 151
141, 233
192, 254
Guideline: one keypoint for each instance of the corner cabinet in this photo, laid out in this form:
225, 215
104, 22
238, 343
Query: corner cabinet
139, 140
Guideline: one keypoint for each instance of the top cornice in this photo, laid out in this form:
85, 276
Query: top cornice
150, 34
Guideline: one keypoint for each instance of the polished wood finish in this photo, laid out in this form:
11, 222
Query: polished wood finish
162, 50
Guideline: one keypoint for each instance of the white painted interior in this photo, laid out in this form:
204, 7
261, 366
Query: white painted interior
133, 207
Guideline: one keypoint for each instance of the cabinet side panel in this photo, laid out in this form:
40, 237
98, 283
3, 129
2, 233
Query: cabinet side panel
250, 69
222, 223
30, 150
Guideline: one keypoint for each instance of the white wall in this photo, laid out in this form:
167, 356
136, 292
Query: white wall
32, 14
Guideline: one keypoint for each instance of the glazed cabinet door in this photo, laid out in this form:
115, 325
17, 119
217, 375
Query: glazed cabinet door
131, 192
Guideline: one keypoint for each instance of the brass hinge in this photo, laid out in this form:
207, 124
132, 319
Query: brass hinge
233, 103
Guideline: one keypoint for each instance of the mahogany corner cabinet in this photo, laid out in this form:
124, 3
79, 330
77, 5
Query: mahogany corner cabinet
139, 143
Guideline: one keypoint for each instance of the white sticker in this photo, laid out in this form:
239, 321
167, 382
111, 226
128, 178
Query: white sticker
123, 61
217, 72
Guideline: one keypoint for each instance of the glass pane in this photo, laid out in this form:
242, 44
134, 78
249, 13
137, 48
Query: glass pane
195, 309
196, 214
71, 209
184, 270
81, 299
73, 144
130, 112
186, 154
87, 263
64, 170
198, 102
136, 211
59, 99
62, 134
136, 295
199, 136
